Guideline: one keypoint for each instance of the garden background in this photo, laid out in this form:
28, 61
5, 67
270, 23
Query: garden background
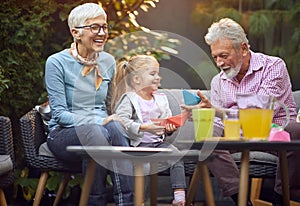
31, 30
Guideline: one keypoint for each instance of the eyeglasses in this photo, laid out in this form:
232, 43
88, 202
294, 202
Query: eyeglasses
95, 28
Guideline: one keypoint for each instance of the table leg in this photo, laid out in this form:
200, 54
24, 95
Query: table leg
209, 196
284, 178
153, 184
244, 178
88, 181
193, 185
139, 184
200, 168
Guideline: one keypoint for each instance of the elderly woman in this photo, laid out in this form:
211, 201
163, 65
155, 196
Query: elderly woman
78, 82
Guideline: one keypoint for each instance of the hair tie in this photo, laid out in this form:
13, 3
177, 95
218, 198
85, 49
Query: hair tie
125, 65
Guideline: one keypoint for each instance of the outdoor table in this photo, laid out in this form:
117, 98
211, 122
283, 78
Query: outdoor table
139, 156
246, 146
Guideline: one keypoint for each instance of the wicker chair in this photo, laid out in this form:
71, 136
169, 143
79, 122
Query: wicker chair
33, 136
6, 148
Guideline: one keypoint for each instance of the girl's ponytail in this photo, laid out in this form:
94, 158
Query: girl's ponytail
119, 83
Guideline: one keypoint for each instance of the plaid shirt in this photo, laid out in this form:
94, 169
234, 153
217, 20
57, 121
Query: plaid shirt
267, 75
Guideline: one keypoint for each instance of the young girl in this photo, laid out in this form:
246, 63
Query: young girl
136, 85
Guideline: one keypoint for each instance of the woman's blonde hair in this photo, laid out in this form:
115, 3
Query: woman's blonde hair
125, 71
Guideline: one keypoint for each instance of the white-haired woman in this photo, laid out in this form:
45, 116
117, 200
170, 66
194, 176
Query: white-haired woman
78, 83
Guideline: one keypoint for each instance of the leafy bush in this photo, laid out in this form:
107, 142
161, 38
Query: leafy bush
25, 26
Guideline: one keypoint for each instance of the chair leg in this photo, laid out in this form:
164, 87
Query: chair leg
262, 203
2, 198
292, 203
256, 184
40, 188
64, 182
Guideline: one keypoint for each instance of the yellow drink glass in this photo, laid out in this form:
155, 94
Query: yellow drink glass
232, 129
256, 123
232, 126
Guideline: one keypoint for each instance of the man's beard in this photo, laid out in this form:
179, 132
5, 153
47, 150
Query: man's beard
233, 71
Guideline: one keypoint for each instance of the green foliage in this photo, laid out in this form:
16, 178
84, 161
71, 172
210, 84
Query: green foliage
24, 27
228, 12
3, 81
27, 184
259, 23
128, 38
156, 44
55, 179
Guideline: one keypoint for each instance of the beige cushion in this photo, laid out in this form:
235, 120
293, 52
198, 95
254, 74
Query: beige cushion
45, 151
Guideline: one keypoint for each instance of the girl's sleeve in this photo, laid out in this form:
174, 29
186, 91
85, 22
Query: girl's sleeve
125, 111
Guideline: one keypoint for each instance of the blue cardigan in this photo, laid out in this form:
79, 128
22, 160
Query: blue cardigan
73, 98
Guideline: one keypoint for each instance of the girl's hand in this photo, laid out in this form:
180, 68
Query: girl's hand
153, 128
170, 128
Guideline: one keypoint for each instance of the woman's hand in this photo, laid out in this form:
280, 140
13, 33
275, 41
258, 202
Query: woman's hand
113, 117
153, 128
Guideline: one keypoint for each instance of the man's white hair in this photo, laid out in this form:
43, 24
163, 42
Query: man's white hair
226, 28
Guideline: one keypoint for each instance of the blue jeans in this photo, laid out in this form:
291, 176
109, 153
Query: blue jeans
112, 133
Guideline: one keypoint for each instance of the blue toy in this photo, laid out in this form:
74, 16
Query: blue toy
190, 98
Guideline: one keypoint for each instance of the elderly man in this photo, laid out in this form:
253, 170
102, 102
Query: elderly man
244, 71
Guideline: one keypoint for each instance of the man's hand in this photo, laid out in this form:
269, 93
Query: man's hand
204, 103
